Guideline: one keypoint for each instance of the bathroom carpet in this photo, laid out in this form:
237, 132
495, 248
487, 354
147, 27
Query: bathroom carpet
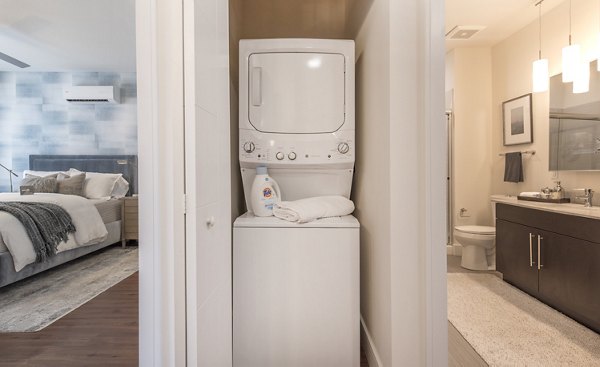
507, 327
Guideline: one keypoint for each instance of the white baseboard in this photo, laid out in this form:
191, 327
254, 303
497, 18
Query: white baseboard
368, 346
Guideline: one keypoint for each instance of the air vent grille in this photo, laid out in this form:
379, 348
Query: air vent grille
463, 32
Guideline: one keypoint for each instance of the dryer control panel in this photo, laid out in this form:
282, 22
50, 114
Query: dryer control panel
296, 149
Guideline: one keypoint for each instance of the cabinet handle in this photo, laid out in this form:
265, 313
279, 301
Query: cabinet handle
531, 250
540, 266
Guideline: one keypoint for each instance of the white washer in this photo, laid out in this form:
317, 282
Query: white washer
296, 286
296, 292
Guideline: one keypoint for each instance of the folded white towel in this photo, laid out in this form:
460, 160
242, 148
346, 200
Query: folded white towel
531, 194
306, 210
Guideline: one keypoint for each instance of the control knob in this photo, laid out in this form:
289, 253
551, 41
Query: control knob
249, 147
279, 156
343, 148
292, 156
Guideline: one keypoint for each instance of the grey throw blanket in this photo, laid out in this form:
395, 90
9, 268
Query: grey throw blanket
46, 225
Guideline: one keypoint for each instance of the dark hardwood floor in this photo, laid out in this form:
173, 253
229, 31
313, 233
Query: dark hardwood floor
102, 332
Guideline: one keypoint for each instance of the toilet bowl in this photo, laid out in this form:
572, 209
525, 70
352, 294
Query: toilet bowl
478, 246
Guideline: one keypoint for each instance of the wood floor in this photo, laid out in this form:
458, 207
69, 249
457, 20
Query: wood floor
102, 333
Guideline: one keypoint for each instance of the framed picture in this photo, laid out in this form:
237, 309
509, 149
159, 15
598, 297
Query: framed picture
518, 120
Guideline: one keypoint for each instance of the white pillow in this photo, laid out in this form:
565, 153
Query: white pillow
103, 185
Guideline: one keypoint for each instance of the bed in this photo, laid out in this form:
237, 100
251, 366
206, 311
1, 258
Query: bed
109, 210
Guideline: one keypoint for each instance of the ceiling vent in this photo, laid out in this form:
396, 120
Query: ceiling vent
463, 32
92, 94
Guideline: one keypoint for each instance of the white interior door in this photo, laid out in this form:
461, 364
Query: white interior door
208, 184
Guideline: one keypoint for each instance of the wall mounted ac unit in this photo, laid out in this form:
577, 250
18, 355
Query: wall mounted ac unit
92, 94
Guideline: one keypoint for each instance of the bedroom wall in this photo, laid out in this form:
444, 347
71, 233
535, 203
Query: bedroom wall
35, 119
511, 60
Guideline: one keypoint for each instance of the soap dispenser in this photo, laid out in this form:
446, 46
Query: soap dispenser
558, 191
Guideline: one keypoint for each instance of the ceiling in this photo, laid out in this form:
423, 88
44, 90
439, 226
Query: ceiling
501, 18
68, 35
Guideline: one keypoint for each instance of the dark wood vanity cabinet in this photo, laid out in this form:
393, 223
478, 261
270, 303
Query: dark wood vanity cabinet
566, 274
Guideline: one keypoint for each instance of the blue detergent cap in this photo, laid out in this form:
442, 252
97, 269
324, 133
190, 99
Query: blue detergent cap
261, 170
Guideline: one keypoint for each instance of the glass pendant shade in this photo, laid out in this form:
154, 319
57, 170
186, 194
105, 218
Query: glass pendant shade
540, 75
581, 83
570, 62
598, 62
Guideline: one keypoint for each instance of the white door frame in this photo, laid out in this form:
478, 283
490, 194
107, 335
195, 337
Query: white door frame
159, 51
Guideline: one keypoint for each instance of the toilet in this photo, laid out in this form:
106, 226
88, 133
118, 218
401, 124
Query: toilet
478, 246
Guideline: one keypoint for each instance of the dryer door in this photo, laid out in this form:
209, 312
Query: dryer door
296, 93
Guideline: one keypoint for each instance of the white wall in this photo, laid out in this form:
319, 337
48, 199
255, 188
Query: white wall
469, 75
371, 189
511, 61
399, 187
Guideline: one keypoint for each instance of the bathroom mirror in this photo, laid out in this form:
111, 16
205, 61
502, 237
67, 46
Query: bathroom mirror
575, 125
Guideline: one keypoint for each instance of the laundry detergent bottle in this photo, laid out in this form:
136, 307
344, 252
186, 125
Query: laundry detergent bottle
265, 193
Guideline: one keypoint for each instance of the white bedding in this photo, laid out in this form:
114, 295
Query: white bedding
89, 226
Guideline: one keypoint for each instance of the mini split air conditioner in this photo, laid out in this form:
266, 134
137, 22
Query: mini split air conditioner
92, 94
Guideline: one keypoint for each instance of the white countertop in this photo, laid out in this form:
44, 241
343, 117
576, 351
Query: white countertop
569, 209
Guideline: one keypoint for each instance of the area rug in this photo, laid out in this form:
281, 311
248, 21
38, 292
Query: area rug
36, 302
507, 327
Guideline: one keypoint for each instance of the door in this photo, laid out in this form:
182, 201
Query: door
516, 251
296, 92
207, 184
570, 277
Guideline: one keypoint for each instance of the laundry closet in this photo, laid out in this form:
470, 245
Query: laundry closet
367, 174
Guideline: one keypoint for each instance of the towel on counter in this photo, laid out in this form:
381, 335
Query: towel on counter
513, 167
530, 194
306, 210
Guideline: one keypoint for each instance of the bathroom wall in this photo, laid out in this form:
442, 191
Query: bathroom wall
469, 75
511, 60
35, 118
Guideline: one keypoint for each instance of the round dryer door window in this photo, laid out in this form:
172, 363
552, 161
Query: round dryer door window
296, 93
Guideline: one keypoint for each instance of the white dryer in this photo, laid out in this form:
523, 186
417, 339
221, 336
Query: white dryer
296, 286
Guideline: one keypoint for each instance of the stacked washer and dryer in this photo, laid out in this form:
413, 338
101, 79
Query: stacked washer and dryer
296, 286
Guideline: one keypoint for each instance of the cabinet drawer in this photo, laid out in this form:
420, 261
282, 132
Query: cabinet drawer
131, 203
131, 210
569, 225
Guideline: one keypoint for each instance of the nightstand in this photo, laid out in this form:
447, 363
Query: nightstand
129, 220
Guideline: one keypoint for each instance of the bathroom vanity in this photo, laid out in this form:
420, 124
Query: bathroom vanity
552, 252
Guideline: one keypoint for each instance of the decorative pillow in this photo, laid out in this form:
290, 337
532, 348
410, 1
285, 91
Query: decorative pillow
41, 173
103, 185
40, 184
70, 185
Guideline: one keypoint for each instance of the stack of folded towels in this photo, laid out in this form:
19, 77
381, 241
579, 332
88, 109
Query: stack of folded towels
306, 210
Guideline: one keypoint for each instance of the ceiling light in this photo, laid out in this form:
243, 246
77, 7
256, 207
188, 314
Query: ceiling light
570, 57
540, 66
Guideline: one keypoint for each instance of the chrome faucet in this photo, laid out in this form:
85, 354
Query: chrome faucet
587, 197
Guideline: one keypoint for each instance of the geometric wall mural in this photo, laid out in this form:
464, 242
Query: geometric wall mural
36, 119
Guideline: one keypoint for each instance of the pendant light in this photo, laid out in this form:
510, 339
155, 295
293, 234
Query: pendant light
598, 61
581, 83
570, 56
540, 66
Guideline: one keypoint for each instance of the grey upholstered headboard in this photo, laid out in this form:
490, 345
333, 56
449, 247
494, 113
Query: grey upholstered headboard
125, 164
